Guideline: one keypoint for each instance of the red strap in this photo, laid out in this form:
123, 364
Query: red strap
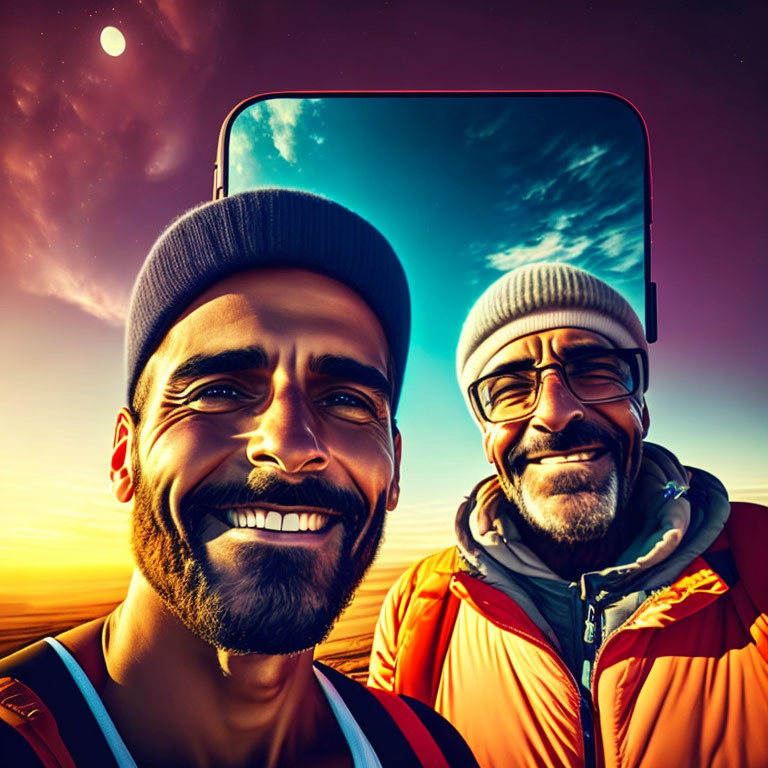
22, 709
415, 732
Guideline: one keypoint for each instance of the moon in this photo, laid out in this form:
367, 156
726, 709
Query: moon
112, 41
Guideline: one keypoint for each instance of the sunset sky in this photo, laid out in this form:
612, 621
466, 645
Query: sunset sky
99, 153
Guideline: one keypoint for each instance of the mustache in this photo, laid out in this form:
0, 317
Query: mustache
266, 488
575, 435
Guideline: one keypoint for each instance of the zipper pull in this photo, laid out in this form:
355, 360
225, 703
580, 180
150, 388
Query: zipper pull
673, 490
589, 624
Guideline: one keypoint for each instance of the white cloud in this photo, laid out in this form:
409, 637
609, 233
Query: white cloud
283, 119
256, 112
539, 190
628, 262
550, 246
587, 157
57, 279
559, 221
167, 157
487, 131
623, 246
614, 242
613, 210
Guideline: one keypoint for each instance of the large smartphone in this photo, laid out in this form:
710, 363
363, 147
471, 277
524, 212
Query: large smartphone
466, 185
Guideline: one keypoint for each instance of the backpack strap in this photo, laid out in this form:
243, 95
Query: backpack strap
35, 678
413, 729
427, 628
403, 732
22, 710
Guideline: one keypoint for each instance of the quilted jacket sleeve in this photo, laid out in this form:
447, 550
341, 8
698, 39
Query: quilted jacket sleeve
385, 638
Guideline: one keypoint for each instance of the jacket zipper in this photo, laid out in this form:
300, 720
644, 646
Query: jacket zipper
586, 717
591, 627
590, 670
585, 708
671, 490
625, 626
585, 714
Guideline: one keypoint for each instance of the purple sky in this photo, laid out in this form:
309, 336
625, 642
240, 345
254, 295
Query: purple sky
99, 153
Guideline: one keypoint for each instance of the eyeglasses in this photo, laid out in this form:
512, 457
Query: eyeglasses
600, 376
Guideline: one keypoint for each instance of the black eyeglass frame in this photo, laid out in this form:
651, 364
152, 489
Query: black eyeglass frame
636, 358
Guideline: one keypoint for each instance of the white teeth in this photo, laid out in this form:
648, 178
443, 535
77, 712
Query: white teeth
583, 456
274, 521
291, 522
316, 521
552, 460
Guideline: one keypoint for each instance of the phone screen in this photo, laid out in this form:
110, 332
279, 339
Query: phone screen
464, 185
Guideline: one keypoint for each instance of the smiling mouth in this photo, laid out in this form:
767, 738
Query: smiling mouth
577, 455
272, 520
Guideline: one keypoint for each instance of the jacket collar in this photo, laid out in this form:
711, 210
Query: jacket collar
684, 511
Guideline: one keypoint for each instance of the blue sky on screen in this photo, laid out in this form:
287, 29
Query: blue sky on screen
464, 189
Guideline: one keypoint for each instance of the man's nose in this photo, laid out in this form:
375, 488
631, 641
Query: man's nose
557, 406
286, 435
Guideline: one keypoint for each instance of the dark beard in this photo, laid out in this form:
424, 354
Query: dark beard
283, 599
587, 520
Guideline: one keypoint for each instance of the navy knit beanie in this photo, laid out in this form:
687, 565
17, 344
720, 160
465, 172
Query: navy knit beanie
265, 228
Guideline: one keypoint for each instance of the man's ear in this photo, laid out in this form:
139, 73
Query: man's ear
393, 492
121, 469
646, 419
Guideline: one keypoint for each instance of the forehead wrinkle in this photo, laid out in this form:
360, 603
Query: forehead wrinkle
529, 351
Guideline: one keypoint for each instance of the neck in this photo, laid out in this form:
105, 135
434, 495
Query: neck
570, 560
178, 701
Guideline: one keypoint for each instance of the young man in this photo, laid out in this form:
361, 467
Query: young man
266, 343
601, 606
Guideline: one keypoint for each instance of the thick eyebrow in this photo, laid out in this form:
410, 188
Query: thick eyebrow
584, 348
224, 362
524, 364
351, 370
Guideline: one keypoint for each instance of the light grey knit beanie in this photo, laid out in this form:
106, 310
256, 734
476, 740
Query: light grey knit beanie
539, 297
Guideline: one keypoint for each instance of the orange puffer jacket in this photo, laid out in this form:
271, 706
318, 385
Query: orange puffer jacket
683, 682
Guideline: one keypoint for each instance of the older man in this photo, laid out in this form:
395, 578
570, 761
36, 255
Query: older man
266, 343
601, 607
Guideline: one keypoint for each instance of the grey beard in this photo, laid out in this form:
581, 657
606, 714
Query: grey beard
575, 507
585, 514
